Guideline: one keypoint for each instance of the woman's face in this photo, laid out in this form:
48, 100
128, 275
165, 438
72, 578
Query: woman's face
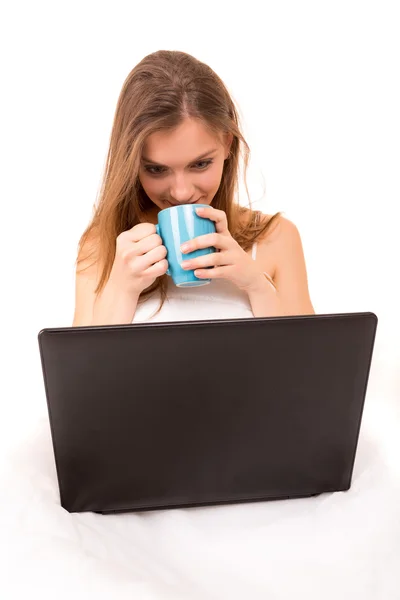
183, 166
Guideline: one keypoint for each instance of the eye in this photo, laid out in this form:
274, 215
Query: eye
154, 172
200, 166
205, 163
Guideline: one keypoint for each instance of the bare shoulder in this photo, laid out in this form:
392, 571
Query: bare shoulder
281, 234
281, 254
271, 243
86, 281
279, 228
87, 263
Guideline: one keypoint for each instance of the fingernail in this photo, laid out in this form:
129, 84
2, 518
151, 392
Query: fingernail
199, 209
185, 264
184, 247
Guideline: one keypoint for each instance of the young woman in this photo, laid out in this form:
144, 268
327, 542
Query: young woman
176, 140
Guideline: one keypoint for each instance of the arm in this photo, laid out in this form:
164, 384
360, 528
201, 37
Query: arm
140, 258
114, 308
291, 296
111, 307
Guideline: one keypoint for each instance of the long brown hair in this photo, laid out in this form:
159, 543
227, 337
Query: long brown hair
162, 90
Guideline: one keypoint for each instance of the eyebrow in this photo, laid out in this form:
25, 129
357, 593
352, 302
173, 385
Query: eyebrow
147, 160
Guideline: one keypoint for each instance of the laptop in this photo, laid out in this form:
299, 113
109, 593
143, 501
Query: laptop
195, 413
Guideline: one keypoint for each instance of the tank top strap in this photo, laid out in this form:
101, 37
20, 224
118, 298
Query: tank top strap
254, 251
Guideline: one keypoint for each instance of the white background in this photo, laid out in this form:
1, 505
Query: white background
317, 86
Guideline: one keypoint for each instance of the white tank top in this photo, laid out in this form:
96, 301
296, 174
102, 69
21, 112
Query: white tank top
220, 299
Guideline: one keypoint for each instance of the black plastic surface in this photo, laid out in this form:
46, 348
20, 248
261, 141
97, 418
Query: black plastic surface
158, 415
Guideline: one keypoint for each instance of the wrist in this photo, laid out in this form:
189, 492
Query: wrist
262, 282
114, 306
264, 298
118, 286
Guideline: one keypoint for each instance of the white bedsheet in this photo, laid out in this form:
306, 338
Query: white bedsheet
344, 545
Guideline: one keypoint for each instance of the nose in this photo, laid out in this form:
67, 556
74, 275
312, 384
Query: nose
181, 190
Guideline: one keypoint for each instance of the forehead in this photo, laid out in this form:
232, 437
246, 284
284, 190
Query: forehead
182, 144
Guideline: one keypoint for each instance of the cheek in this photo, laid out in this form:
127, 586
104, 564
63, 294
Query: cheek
151, 186
212, 179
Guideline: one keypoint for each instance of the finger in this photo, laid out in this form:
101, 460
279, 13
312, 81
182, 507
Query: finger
148, 243
207, 260
139, 232
159, 268
209, 240
216, 215
216, 273
141, 263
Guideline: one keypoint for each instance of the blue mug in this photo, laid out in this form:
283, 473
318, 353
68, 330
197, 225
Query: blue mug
177, 225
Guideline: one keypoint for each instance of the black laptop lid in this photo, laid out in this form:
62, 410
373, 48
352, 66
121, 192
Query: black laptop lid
162, 415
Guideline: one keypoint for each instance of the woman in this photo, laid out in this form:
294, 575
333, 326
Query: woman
176, 140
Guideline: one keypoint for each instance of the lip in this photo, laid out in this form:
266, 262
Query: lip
181, 203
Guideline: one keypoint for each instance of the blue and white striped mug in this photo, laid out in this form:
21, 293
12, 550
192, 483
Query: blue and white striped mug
177, 225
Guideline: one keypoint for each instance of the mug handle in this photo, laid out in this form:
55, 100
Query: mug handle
158, 233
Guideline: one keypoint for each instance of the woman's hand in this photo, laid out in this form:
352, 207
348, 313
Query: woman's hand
230, 261
139, 259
